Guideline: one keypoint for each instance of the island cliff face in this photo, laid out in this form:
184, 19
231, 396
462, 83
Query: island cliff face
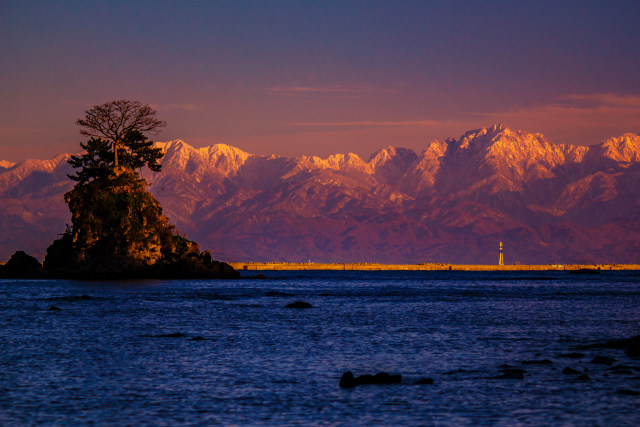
453, 202
119, 231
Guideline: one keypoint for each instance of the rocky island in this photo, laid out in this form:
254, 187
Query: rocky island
118, 229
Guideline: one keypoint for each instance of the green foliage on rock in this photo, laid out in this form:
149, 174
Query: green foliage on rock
114, 217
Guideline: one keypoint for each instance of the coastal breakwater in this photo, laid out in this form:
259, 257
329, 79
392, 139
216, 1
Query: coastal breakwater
428, 267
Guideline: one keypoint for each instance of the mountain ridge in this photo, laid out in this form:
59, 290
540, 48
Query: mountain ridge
452, 202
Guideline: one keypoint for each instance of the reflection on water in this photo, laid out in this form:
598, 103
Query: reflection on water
198, 352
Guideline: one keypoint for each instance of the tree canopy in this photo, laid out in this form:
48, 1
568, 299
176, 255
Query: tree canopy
98, 158
117, 140
115, 120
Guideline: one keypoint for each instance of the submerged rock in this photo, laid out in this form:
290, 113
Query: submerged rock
299, 304
633, 347
570, 371
381, 378
511, 374
627, 392
573, 355
173, 335
603, 360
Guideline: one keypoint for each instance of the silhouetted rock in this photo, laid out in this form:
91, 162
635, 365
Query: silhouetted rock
59, 254
381, 378
633, 347
603, 360
348, 380
619, 343
571, 355
54, 308
299, 304
570, 371
627, 392
21, 265
197, 338
173, 335
584, 377
424, 381
511, 374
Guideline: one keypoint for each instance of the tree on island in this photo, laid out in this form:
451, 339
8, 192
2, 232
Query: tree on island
116, 121
118, 229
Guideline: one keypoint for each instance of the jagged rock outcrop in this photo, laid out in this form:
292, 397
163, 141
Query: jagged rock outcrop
21, 265
453, 202
119, 231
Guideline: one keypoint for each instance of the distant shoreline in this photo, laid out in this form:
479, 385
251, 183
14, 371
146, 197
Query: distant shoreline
247, 266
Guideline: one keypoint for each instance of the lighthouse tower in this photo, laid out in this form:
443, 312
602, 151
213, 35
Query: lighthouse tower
501, 259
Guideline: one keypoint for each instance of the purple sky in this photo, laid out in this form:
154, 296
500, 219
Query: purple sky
319, 77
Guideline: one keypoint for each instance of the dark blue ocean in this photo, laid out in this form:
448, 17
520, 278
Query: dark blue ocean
123, 353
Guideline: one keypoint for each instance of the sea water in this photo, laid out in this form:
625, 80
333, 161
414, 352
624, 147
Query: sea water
124, 353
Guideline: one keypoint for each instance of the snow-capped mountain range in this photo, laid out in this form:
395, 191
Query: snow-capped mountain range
453, 202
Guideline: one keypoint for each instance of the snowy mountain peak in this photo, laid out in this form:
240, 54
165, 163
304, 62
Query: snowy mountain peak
6, 164
625, 148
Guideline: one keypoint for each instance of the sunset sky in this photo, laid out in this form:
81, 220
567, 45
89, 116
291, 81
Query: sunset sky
319, 77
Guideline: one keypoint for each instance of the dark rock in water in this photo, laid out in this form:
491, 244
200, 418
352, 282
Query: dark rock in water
571, 355
570, 371
348, 380
620, 343
54, 308
379, 378
506, 366
511, 374
584, 377
633, 347
603, 360
59, 254
627, 392
21, 265
422, 381
299, 304
197, 338
174, 335
537, 362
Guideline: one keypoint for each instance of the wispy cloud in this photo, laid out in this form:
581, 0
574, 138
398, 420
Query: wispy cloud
374, 123
584, 110
602, 99
327, 91
180, 107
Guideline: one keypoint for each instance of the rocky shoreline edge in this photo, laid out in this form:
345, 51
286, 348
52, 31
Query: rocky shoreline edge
191, 265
